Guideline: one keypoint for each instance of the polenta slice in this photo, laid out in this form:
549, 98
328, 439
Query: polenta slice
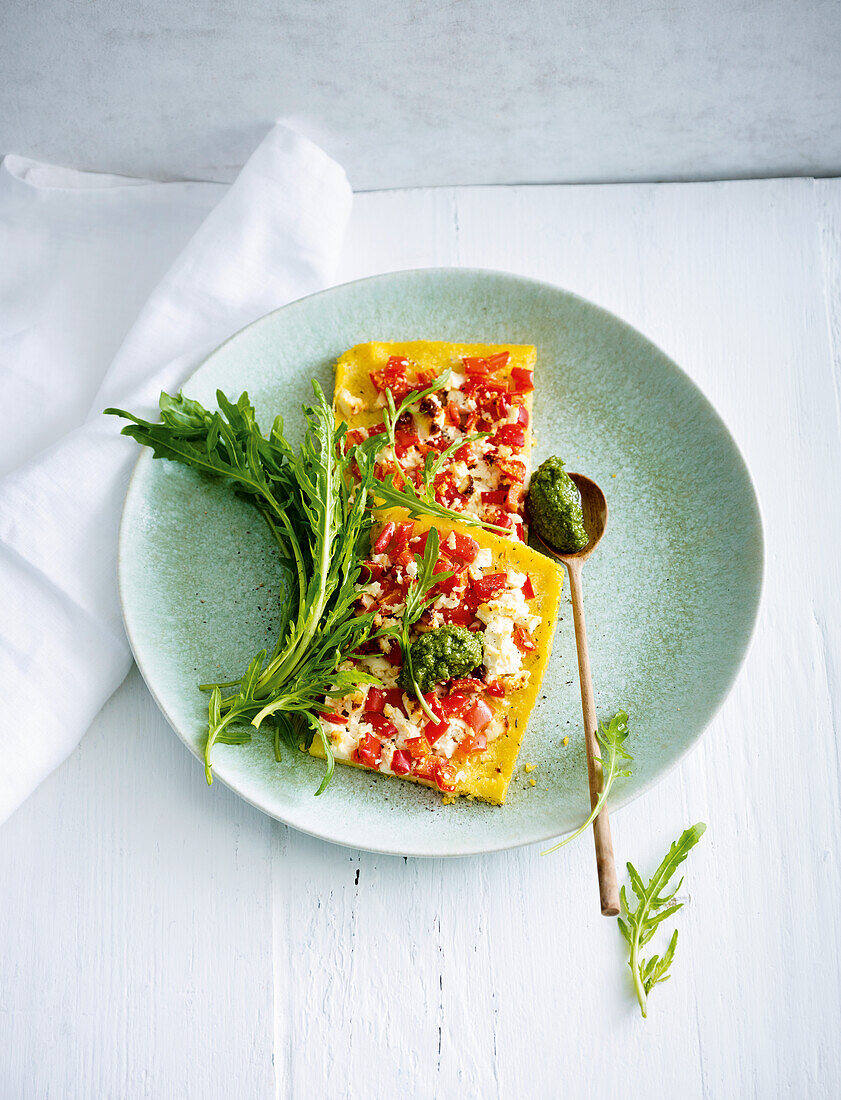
500, 588
489, 391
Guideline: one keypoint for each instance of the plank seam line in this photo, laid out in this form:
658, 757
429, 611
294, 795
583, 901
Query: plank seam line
821, 230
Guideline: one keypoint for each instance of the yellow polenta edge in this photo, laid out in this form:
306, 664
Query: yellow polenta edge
487, 777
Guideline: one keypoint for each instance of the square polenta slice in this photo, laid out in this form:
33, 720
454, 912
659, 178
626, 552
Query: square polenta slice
500, 588
489, 391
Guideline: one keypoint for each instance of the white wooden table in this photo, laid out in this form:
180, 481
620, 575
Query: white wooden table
159, 939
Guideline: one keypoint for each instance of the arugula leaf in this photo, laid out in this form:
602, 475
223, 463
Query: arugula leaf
320, 525
653, 907
417, 600
219, 725
612, 740
320, 517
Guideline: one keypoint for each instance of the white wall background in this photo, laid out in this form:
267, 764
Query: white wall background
408, 93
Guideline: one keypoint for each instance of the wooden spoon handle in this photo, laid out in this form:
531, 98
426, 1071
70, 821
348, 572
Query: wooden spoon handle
605, 862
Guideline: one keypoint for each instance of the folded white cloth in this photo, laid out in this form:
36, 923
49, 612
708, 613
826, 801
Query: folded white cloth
80, 253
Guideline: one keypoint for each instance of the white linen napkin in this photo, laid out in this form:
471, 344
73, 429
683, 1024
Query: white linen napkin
274, 236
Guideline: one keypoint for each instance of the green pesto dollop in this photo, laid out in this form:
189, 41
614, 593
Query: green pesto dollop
447, 653
555, 508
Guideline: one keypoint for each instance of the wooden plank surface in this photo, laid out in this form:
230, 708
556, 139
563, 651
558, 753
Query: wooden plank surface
160, 939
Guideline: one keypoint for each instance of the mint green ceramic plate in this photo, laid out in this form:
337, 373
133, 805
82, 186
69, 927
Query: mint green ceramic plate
671, 594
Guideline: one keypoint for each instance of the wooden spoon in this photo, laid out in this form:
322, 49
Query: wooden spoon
594, 507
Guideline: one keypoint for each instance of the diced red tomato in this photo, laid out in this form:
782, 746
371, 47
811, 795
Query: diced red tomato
402, 534
391, 594
393, 377
386, 467
375, 700
491, 391
404, 558
372, 570
336, 719
513, 498
445, 776
500, 360
437, 771
523, 416
418, 747
401, 762
434, 731
496, 407
463, 453
443, 565
474, 366
523, 640
445, 489
485, 588
418, 544
510, 435
353, 437
528, 588
381, 724
483, 389
458, 616
384, 538
369, 751
500, 518
453, 413
472, 742
394, 698
455, 705
494, 496
434, 704
426, 768
479, 715
434, 444
467, 685
496, 688
465, 549
522, 380
394, 655
405, 438
512, 469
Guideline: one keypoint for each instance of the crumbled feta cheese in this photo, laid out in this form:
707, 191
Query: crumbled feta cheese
501, 655
406, 728
501, 615
348, 404
515, 682
447, 602
447, 745
382, 669
481, 563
